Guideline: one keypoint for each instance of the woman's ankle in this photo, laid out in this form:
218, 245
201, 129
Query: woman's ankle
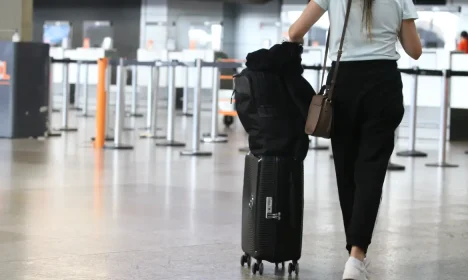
358, 253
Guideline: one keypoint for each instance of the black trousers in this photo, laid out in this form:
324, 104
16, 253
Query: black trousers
368, 107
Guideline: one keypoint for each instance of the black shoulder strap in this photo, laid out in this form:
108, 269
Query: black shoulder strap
340, 51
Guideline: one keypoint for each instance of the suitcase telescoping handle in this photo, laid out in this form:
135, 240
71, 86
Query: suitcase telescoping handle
269, 210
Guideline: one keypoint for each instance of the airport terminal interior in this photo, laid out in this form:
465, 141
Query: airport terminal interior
123, 156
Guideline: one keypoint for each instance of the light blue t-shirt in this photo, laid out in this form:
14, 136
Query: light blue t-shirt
387, 16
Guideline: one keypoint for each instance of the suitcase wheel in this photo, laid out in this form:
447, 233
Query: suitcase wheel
294, 266
228, 120
245, 259
258, 266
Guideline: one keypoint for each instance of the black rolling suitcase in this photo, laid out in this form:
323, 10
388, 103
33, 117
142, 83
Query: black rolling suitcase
272, 211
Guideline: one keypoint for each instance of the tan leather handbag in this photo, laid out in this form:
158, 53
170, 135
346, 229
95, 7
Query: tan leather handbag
320, 117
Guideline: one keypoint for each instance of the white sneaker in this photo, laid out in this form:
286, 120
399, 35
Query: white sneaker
355, 269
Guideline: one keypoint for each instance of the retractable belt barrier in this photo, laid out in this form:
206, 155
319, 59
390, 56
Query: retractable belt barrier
151, 99
452, 73
152, 103
195, 150
120, 110
171, 105
445, 97
415, 72
66, 99
50, 129
153, 95
213, 137
69, 61
133, 111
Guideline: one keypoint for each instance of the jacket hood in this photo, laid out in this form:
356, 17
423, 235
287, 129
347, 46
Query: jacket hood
285, 57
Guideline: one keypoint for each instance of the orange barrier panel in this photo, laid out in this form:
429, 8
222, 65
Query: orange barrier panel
228, 113
231, 60
226, 77
101, 104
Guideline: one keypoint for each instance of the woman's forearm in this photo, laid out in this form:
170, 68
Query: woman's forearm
308, 18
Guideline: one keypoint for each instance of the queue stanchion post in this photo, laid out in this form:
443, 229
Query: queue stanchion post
393, 166
66, 99
411, 152
54, 110
101, 104
134, 108
86, 92
153, 87
119, 110
171, 107
76, 103
214, 136
154, 80
314, 144
444, 100
109, 133
149, 100
185, 100
50, 102
195, 151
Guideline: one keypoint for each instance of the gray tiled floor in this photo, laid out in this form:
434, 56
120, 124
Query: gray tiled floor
68, 212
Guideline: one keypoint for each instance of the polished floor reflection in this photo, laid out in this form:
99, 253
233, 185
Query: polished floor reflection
69, 212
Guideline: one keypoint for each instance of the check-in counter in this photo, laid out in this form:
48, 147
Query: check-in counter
24, 88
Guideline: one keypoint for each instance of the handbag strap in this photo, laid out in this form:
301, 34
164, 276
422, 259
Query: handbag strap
340, 51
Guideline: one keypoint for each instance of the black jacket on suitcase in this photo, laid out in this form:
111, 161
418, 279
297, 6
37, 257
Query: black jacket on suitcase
272, 101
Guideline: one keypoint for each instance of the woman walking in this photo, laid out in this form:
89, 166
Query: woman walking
368, 105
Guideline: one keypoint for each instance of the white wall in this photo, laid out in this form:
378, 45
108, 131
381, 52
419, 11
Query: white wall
463, 23
153, 11
179, 12
230, 30
16, 15
184, 13
246, 26
250, 35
